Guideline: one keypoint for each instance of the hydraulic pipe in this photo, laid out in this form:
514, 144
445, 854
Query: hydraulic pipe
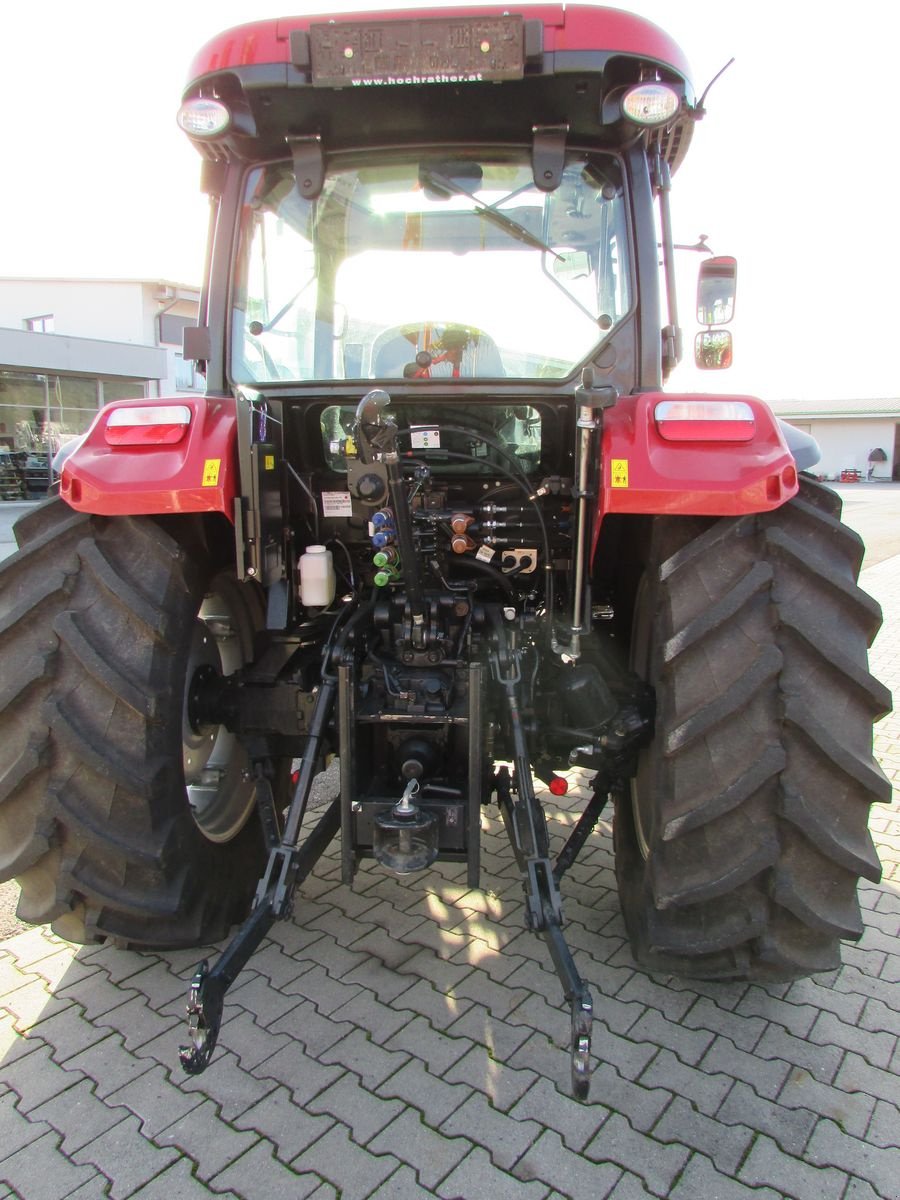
587, 425
673, 330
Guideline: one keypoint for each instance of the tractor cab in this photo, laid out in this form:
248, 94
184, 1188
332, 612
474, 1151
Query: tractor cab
391, 177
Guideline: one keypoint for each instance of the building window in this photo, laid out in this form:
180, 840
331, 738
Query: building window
171, 328
42, 324
122, 389
184, 374
38, 414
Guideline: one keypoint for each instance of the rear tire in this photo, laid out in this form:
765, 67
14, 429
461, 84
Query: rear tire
98, 635
740, 845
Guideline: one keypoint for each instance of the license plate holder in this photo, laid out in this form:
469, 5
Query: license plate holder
465, 49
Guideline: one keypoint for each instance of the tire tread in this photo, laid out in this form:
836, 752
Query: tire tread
98, 614
755, 852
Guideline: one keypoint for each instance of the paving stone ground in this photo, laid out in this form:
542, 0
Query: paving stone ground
405, 1039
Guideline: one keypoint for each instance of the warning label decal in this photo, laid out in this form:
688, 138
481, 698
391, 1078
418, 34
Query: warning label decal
618, 473
337, 504
211, 472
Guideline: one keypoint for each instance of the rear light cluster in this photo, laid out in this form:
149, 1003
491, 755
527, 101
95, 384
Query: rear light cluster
149, 425
705, 420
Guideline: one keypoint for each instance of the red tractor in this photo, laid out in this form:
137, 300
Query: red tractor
435, 516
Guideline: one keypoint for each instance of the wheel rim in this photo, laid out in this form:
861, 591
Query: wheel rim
640, 836
219, 795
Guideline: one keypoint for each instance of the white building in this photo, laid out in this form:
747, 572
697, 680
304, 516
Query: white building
860, 436
68, 346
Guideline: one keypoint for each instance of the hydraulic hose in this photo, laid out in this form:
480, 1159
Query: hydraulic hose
467, 564
376, 435
545, 540
411, 575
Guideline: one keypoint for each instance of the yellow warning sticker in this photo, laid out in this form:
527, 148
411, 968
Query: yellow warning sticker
270, 462
619, 473
211, 472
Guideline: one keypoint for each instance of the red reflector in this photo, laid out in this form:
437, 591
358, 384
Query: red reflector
701, 420
558, 786
144, 435
707, 431
146, 424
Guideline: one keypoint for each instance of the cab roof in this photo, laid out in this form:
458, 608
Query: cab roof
566, 29
548, 67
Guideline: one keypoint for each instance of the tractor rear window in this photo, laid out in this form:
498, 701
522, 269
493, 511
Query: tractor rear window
432, 268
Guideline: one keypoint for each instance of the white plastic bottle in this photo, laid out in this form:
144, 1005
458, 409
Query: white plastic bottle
316, 577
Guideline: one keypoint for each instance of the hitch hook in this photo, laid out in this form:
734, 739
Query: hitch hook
206, 999
582, 1020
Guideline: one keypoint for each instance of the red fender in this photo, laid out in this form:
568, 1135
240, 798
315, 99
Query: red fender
198, 473
644, 472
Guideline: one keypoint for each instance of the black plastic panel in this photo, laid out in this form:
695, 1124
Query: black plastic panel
440, 50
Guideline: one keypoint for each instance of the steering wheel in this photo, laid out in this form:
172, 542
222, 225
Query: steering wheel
431, 350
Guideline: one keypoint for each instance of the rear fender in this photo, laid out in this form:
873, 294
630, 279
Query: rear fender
199, 473
645, 473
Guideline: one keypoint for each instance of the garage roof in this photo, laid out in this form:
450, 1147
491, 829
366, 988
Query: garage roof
889, 407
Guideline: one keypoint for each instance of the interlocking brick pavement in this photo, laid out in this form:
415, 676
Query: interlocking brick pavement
405, 1039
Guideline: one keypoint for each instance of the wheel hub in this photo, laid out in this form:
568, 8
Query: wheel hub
220, 798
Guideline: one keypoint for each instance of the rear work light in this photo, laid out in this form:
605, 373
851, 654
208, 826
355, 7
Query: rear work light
651, 103
705, 420
203, 118
154, 425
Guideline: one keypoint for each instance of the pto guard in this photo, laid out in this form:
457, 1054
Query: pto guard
643, 472
196, 474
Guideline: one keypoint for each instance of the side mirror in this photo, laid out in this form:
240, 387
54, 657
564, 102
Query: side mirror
713, 350
716, 289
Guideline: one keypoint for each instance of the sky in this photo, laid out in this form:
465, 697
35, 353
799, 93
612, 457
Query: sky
787, 171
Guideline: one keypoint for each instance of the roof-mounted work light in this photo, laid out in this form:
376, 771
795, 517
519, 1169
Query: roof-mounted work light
203, 118
651, 103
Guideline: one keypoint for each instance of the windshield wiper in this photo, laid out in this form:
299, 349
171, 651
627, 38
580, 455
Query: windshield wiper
513, 228
259, 327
